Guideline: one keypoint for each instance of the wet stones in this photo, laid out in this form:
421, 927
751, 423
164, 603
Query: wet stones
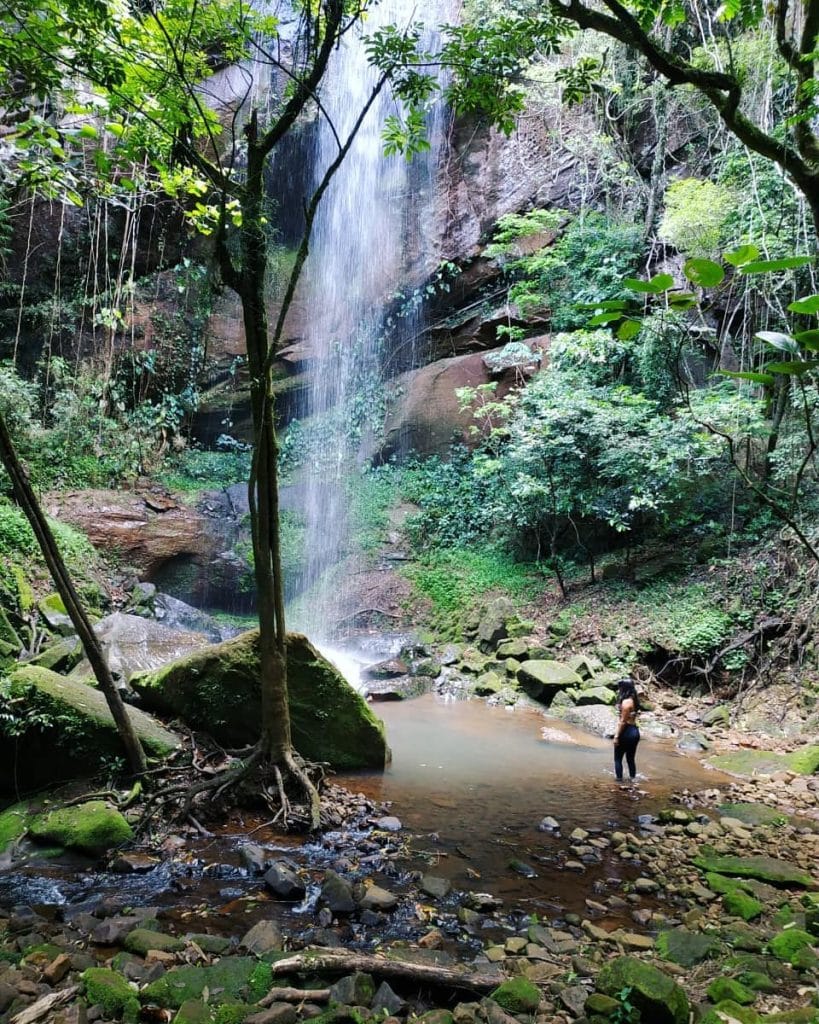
263, 937
435, 887
283, 881
337, 894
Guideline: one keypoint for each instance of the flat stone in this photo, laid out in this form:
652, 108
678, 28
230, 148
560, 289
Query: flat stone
435, 886
277, 1013
389, 823
376, 898
263, 937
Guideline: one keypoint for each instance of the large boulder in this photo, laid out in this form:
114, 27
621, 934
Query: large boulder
217, 690
134, 644
92, 827
657, 996
543, 679
63, 728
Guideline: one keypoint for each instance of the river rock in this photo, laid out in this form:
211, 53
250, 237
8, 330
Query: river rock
434, 886
73, 732
263, 937
387, 1000
542, 679
283, 882
517, 649
494, 622
684, 947
254, 857
391, 669
353, 990
217, 690
595, 695
337, 894
767, 869
596, 718
657, 996
376, 898
574, 998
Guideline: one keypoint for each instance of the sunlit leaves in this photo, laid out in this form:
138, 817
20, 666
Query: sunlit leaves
768, 266
655, 286
741, 255
807, 305
703, 273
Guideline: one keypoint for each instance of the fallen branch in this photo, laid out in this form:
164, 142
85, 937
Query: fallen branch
295, 995
43, 1007
321, 962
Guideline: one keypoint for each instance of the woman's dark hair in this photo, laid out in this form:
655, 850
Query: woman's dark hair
627, 690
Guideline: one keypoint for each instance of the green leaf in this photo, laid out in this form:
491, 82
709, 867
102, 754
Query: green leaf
604, 318
808, 340
784, 342
628, 329
88, 131
808, 304
744, 254
703, 273
682, 300
757, 378
793, 366
656, 286
767, 266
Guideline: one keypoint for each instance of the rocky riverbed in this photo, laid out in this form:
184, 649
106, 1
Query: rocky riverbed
720, 915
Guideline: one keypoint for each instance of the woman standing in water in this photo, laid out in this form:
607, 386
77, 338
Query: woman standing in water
626, 734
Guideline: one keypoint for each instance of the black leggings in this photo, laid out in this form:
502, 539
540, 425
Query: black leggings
626, 744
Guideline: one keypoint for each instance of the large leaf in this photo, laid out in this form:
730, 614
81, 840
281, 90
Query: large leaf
793, 366
604, 318
703, 273
682, 300
744, 254
628, 329
808, 340
784, 342
656, 286
768, 266
809, 304
757, 378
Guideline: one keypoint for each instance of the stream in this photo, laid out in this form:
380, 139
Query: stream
469, 783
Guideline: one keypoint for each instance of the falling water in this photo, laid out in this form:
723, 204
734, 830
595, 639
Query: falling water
367, 233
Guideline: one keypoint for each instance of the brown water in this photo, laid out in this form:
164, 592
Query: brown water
472, 782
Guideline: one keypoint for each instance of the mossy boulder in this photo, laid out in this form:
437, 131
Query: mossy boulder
55, 615
753, 814
217, 690
63, 728
91, 827
112, 993
14, 822
684, 947
233, 979
518, 995
544, 678
729, 988
595, 695
658, 997
741, 904
767, 869
733, 1011
786, 944
194, 1011
804, 761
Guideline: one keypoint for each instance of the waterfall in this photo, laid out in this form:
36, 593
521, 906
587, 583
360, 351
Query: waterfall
370, 228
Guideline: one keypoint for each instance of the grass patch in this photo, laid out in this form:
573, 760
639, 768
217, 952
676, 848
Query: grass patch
197, 470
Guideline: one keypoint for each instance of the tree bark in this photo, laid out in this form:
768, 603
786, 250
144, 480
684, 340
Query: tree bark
346, 962
27, 500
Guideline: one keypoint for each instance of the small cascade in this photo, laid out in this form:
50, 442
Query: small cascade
369, 232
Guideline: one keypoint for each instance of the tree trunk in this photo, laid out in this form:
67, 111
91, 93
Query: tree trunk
263, 484
27, 500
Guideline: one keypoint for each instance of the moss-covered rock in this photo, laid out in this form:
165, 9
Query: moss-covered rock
657, 996
110, 991
684, 947
63, 728
91, 827
14, 822
140, 940
730, 988
217, 690
543, 678
786, 944
518, 995
741, 904
194, 1011
233, 979
753, 814
757, 981
734, 1011
767, 869
763, 762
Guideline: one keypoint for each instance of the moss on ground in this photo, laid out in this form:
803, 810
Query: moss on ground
657, 996
518, 995
765, 869
14, 822
233, 979
110, 991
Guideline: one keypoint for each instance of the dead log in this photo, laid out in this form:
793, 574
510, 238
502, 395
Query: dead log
347, 962
43, 1007
295, 995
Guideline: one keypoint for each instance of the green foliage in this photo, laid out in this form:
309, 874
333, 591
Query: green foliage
696, 212
586, 264
516, 226
597, 354
197, 469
